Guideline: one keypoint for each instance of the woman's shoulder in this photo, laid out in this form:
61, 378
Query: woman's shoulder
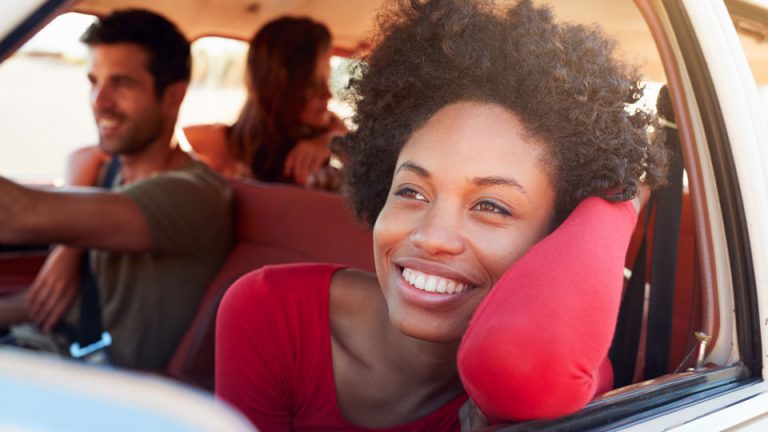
284, 283
209, 144
207, 138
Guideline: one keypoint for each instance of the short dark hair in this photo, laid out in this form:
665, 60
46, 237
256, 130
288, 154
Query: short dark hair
562, 80
169, 54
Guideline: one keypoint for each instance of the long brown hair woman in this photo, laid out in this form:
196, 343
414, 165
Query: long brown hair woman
283, 131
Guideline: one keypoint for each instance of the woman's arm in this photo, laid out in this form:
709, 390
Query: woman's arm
535, 346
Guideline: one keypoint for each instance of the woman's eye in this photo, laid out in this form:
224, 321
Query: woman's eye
409, 193
491, 207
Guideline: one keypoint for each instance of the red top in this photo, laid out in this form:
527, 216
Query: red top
546, 358
273, 354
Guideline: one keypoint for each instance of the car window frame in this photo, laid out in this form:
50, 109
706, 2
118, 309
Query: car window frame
44, 14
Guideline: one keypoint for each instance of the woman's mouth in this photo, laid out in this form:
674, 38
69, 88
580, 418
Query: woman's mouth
432, 283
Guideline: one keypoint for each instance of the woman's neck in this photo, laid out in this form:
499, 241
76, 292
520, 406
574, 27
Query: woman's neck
422, 362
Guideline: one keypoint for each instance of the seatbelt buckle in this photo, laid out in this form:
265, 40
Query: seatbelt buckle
78, 352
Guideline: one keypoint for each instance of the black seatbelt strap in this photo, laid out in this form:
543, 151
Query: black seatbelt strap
110, 173
626, 340
89, 338
666, 234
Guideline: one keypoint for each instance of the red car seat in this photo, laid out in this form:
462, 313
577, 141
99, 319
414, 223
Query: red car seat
274, 224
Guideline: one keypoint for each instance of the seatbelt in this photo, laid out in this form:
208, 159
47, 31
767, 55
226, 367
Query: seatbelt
88, 340
626, 340
666, 234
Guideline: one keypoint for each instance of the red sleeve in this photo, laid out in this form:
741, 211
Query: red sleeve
252, 353
535, 346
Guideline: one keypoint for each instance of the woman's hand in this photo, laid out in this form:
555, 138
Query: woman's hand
307, 156
471, 418
326, 178
55, 286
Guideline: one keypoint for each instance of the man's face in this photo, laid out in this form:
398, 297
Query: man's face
128, 114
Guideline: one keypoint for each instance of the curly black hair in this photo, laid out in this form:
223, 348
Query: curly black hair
561, 79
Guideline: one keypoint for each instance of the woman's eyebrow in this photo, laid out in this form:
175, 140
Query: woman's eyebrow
498, 180
413, 167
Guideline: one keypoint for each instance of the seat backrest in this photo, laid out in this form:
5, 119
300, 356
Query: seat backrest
274, 224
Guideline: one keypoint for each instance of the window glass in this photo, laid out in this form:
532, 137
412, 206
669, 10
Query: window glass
44, 111
217, 90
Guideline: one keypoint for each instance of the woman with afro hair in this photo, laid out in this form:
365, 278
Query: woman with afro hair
500, 167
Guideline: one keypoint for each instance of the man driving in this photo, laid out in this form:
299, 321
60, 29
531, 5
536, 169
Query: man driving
162, 231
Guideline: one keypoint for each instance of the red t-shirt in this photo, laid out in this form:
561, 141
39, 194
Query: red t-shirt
273, 354
535, 348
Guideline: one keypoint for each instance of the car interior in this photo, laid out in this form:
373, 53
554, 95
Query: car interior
677, 338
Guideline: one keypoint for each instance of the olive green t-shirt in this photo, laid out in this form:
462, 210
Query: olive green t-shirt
149, 299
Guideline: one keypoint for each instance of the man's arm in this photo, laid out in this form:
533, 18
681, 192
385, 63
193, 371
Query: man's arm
90, 219
58, 281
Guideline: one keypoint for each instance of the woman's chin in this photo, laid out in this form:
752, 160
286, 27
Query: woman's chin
432, 332
318, 120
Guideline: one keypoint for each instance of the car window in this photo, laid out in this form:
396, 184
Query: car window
45, 102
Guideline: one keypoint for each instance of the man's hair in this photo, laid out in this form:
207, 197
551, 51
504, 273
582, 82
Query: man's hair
168, 49
561, 80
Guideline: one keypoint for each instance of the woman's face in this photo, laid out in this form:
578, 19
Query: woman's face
315, 112
469, 196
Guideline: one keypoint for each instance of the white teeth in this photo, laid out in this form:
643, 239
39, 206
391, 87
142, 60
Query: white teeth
420, 281
433, 283
441, 286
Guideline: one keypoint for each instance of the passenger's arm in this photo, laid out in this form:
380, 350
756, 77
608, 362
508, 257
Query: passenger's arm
309, 155
535, 346
92, 219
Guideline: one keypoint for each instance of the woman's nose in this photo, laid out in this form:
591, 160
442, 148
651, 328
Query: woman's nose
439, 233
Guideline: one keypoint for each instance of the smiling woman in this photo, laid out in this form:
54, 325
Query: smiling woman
486, 162
461, 210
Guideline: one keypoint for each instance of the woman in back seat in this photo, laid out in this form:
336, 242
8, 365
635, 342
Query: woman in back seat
284, 131
497, 162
